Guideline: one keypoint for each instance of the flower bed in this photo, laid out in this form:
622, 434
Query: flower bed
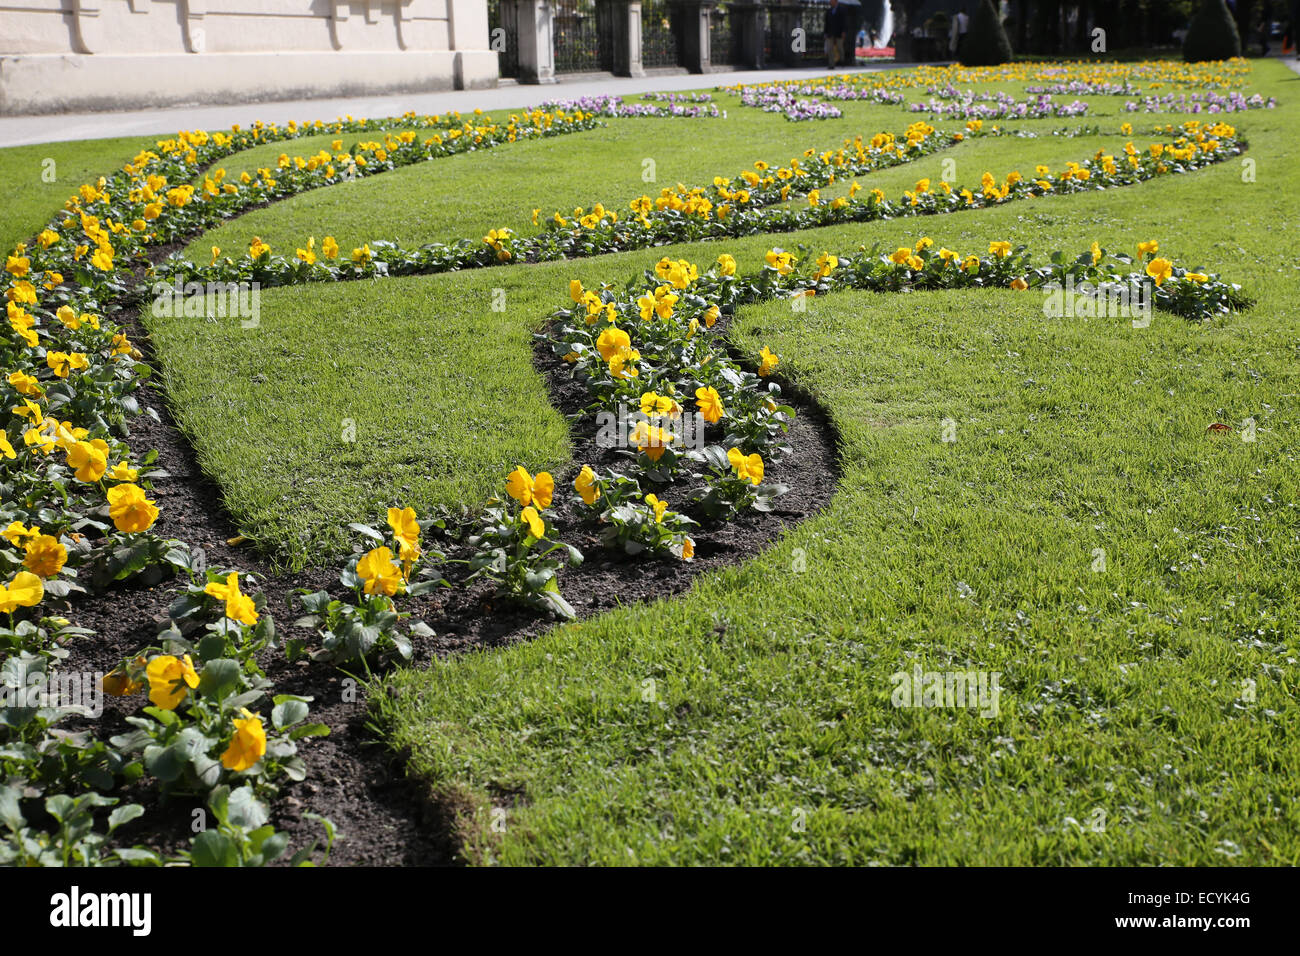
1222, 74
78, 516
729, 209
1087, 88
802, 99
614, 106
966, 104
1209, 102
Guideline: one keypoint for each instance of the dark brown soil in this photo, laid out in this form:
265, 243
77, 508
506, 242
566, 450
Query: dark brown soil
383, 817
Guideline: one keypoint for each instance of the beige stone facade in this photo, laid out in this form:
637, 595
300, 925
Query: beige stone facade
118, 54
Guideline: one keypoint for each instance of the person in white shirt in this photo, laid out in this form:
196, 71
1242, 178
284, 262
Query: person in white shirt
957, 38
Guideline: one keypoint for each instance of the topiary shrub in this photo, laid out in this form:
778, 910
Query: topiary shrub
986, 40
1212, 34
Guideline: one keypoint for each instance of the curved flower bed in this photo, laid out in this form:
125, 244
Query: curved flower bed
614, 106
77, 514
651, 347
730, 209
966, 104
1209, 102
1087, 88
802, 99
1220, 74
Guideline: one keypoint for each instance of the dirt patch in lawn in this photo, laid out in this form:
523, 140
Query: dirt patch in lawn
353, 778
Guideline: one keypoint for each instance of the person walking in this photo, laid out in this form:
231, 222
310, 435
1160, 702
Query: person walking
835, 32
957, 39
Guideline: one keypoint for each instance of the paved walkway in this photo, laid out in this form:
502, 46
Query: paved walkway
22, 130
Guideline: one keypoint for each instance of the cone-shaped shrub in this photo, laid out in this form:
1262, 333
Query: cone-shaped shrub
986, 40
1212, 34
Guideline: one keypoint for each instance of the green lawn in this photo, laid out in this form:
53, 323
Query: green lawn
36, 180
1122, 689
342, 422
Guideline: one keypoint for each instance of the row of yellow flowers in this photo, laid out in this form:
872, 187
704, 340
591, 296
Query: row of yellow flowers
738, 206
77, 510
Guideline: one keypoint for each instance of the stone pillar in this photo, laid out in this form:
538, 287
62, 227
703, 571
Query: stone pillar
536, 38
626, 16
749, 28
691, 20
474, 64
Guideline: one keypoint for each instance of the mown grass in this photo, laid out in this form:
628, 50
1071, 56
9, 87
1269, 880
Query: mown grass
343, 421
36, 180
1122, 689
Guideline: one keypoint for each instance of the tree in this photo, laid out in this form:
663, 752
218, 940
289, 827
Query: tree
1212, 34
986, 40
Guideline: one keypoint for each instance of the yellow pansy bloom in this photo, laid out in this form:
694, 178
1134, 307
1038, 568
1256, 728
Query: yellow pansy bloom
380, 574
586, 486
130, 510
710, 404
45, 556
530, 517
170, 680
248, 745
748, 467
239, 606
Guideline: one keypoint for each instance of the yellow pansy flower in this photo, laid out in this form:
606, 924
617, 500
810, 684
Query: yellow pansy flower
586, 486
170, 680
130, 510
248, 745
239, 606
748, 467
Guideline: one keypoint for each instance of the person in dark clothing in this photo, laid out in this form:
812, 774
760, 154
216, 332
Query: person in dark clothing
836, 30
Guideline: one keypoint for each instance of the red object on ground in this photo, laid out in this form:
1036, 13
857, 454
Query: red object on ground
874, 52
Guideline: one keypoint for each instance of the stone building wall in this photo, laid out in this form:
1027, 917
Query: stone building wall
117, 54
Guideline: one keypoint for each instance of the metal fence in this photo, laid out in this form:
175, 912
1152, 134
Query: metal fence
658, 44
722, 38
812, 20
503, 36
578, 37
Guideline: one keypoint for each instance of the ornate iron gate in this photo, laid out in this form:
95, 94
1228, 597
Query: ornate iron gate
812, 19
578, 39
658, 44
503, 36
722, 40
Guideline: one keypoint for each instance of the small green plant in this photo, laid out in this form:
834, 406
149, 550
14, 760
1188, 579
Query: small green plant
243, 837
734, 483
369, 627
73, 841
515, 549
